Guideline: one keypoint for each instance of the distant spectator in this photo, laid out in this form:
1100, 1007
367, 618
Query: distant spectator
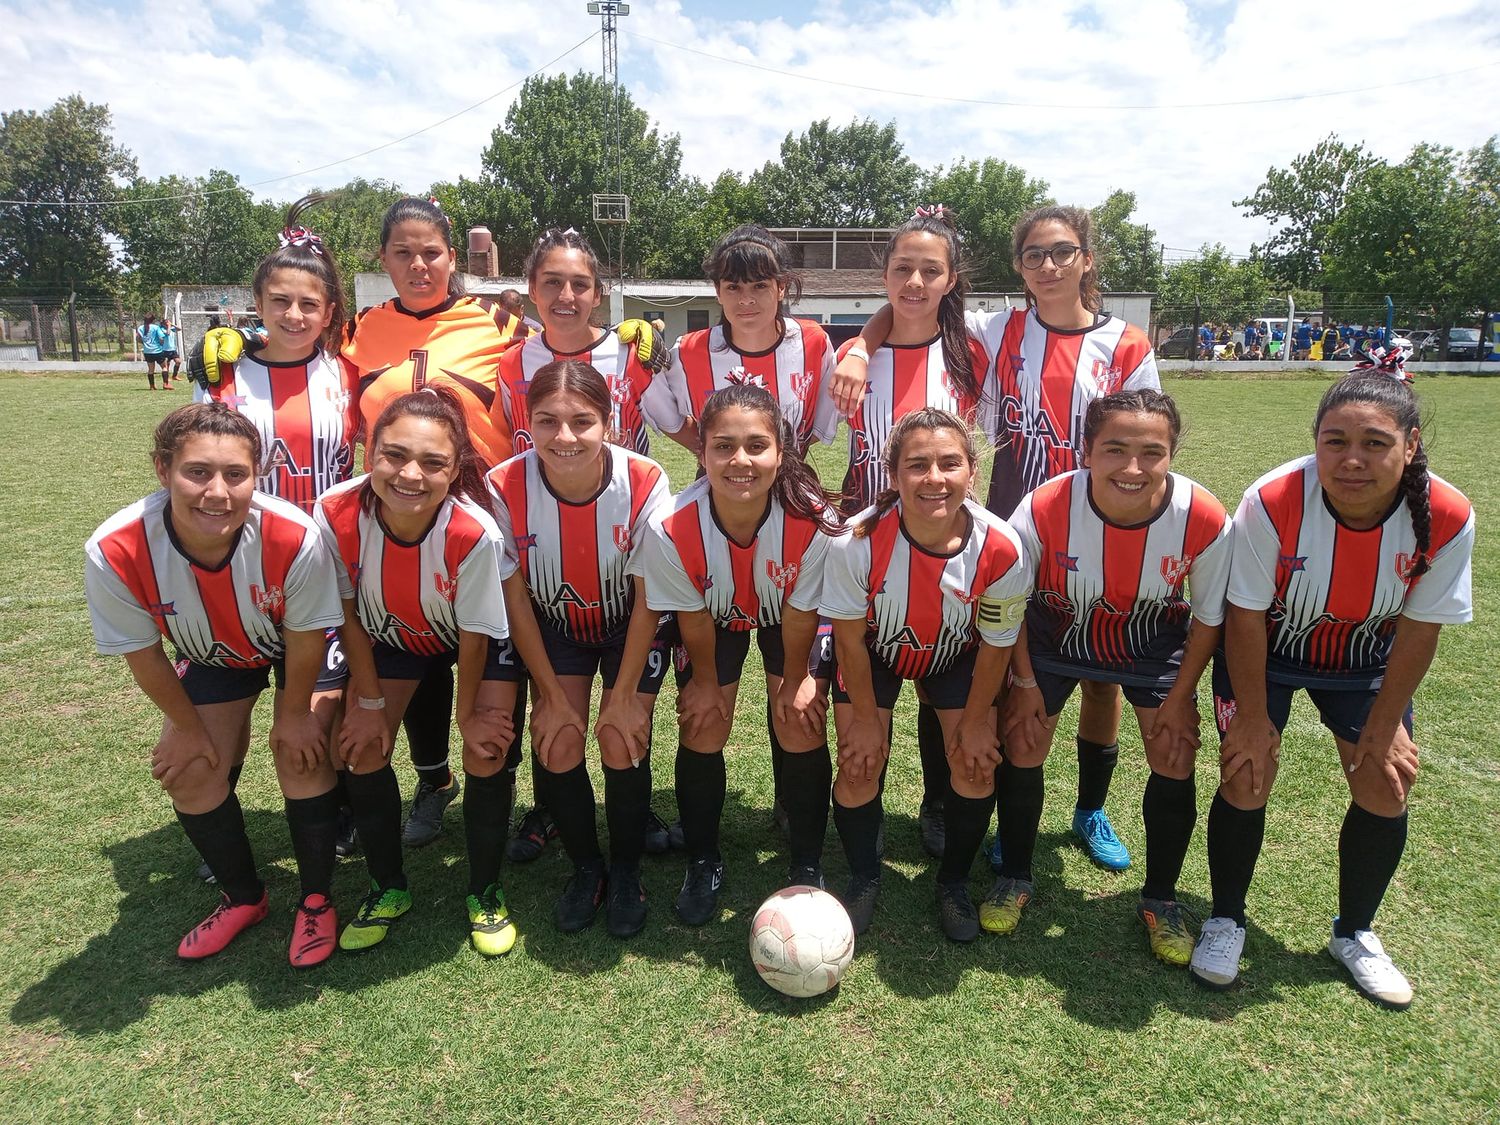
155, 341
1331, 342
1205, 341
1361, 340
512, 302
172, 356
1302, 340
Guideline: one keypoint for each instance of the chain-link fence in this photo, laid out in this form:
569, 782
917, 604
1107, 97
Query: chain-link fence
80, 329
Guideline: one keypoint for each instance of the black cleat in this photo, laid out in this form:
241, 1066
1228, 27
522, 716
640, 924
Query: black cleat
698, 901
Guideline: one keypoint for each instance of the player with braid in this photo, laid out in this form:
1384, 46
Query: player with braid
1346, 565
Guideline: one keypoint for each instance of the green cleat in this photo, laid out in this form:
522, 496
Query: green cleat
490, 928
374, 917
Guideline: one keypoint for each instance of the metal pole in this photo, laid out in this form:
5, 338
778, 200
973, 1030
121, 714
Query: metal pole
1286, 337
1197, 324
73, 323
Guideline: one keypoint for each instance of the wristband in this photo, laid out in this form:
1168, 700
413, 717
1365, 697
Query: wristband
372, 704
857, 352
1016, 681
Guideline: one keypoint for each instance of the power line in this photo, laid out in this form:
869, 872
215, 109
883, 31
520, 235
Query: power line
304, 171
1062, 105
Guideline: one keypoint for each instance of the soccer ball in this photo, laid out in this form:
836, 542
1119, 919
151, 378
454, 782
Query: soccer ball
801, 941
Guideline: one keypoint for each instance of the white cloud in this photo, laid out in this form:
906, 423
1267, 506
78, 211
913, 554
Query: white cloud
266, 90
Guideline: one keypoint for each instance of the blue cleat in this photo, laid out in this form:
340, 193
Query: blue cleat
1092, 826
993, 854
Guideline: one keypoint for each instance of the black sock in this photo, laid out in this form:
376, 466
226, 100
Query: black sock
859, 829
1370, 848
375, 799
487, 802
219, 835
1169, 808
965, 819
1096, 765
314, 824
702, 782
933, 751
569, 798
808, 778
234, 775
778, 753
627, 804
1234, 840
427, 721
1018, 800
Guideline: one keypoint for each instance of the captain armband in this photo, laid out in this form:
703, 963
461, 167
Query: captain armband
1002, 614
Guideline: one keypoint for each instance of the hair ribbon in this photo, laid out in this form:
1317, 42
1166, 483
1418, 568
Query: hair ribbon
301, 236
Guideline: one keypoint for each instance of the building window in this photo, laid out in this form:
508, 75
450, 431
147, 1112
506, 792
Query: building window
697, 319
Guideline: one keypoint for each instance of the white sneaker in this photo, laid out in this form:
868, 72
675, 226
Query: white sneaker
1372, 969
1216, 957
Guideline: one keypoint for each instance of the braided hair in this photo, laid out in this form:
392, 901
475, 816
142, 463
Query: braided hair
796, 487
1394, 397
928, 418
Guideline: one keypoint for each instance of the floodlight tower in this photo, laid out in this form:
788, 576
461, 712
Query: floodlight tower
613, 209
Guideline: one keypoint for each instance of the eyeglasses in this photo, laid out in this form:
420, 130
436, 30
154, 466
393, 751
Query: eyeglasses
1062, 256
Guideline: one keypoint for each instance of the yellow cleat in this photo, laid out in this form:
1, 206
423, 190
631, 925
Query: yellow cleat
1000, 912
490, 927
1170, 928
376, 913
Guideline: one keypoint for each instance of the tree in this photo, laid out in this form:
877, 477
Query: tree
1423, 231
554, 152
61, 156
200, 231
857, 176
1124, 252
987, 197
1307, 199
1227, 291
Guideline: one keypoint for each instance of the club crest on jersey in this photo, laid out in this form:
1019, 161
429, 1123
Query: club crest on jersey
781, 576
1107, 377
622, 536
269, 600
1292, 563
738, 376
619, 390
1223, 711
1066, 561
966, 598
945, 380
1174, 570
1406, 565
339, 398
446, 587
802, 382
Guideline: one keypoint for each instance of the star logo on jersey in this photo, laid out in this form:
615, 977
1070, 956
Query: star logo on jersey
446, 587
1017, 363
1066, 561
1292, 563
269, 600
738, 376
233, 401
622, 536
704, 582
161, 611
525, 542
782, 576
1174, 570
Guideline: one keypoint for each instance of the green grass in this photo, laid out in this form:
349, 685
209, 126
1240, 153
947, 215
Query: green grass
1070, 1020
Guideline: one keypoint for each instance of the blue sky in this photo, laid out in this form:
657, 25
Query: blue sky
271, 90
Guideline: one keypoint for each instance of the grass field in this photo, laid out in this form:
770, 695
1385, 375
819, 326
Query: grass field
1069, 1020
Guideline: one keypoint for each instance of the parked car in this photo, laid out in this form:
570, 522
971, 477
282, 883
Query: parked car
1182, 344
1417, 338
1463, 344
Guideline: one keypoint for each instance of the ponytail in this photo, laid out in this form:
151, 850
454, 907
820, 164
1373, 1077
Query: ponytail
1415, 487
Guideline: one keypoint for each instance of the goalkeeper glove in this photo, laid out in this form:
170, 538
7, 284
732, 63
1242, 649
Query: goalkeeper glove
650, 345
219, 348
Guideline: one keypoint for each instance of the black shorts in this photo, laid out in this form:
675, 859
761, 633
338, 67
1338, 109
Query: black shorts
393, 663
1342, 710
167, 357
947, 690
207, 683
569, 658
731, 646
1057, 687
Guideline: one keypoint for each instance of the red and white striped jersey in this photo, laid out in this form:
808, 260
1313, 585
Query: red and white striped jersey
690, 563
638, 396
902, 378
922, 610
417, 596
1333, 593
1111, 598
574, 555
141, 586
796, 372
305, 412
1046, 378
